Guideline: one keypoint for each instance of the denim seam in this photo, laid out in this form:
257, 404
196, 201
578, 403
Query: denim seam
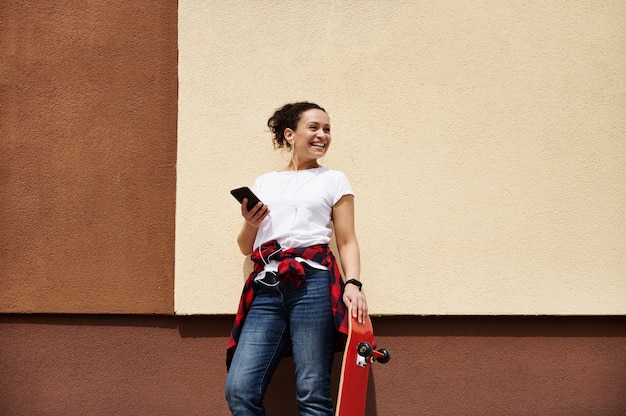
260, 393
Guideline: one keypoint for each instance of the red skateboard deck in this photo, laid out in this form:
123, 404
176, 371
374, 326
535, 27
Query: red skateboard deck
358, 355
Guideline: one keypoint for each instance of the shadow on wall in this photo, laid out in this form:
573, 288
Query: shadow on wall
280, 397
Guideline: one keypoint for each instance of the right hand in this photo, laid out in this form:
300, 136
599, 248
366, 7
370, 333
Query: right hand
256, 214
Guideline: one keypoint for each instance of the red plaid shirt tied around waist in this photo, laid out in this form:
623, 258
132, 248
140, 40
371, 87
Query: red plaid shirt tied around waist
291, 269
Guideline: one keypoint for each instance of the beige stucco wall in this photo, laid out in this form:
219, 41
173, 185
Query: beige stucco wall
485, 141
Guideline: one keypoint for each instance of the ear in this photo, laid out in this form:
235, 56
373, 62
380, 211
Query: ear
289, 135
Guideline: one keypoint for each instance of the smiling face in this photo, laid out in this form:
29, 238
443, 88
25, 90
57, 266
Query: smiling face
310, 139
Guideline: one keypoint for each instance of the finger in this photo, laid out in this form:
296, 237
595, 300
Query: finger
259, 209
253, 214
261, 212
362, 309
361, 312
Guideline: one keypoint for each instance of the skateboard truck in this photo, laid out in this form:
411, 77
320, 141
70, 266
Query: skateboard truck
367, 352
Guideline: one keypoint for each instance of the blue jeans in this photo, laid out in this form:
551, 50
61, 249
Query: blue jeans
280, 315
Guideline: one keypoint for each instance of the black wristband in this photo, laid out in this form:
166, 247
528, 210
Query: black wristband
355, 283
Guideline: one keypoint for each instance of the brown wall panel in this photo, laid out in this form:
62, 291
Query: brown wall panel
88, 107
159, 365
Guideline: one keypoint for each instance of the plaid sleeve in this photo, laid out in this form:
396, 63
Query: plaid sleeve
247, 295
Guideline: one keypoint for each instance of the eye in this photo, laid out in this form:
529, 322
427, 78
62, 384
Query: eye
326, 129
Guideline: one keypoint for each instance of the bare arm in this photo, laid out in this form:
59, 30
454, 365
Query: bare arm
252, 219
349, 253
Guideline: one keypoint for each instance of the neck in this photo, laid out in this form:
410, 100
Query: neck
302, 165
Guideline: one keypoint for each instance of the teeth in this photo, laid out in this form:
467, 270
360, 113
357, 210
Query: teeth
322, 145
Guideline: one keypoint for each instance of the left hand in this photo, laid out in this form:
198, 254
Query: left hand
353, 297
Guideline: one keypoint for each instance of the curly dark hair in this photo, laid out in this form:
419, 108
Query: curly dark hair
287, 117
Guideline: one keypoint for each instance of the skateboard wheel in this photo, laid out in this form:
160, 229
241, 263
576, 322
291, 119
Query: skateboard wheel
385, 356
364, 349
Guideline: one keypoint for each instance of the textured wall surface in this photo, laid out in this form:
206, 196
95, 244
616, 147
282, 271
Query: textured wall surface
161, 366
88, 134
485, 142
88, 156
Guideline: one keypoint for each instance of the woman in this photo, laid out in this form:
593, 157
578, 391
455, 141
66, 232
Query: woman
295, 300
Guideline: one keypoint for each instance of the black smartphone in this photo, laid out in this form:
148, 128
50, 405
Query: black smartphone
245, 192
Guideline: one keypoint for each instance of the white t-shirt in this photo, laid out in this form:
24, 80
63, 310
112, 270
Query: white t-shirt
300, 204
